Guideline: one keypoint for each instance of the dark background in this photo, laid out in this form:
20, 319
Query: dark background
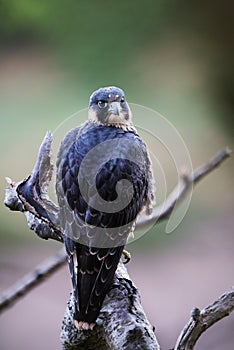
175, 57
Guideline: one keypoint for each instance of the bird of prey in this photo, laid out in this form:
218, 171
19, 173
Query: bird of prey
104, 180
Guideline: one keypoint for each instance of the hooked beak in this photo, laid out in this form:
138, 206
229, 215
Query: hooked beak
117, 115
114, 108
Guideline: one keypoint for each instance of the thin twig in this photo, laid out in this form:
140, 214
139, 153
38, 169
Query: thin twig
31, 280
200, 321
213, 163
164, 210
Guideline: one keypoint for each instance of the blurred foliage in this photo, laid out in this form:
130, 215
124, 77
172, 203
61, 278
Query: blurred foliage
175, 56
94, 33
101, 42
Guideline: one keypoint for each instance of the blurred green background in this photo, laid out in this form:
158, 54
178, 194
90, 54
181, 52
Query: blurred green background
176, 57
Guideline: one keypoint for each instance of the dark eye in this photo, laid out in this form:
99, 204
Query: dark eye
122, 100
102, 104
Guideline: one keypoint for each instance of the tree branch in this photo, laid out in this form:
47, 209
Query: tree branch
122, 323
30, 196
163, 211
200, 321
31, 280
122, 304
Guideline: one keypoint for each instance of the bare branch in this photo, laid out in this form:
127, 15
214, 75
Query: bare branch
30, 196
200, 321
121, 318
212, 164
163, 211
31, 280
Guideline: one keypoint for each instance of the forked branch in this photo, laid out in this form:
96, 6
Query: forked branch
201, 320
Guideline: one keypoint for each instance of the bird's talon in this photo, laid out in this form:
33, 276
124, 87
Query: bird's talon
84, 326
127, 256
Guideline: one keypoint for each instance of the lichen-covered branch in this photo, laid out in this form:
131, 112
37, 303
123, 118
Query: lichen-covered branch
122, 323
201, 320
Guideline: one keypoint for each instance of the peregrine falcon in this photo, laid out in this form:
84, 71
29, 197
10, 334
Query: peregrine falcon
104, 180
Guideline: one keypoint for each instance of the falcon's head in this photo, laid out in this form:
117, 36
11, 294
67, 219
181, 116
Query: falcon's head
108, 106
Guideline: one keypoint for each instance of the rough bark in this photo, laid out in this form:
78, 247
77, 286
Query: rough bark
122, 323
201, 320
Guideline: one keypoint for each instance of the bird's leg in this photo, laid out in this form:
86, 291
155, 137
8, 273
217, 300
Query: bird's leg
127, 256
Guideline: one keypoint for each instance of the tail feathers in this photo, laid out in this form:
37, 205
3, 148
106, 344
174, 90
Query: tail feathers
94, 276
